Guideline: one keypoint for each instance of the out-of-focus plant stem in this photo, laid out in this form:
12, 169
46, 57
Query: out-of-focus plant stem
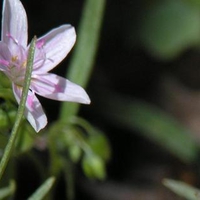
20, 112
69, 176
82, 62
83, 58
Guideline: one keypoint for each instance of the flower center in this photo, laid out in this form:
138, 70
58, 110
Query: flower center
16, 65
17, 70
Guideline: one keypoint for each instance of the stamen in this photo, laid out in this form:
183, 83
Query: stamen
24, 64
40, 43
14, 58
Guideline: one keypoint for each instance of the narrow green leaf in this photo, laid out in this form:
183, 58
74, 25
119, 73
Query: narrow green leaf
43, 190
8, 191
152, 123
85, 50
182, 189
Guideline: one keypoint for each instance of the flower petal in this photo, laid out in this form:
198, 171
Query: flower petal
14, 23
57, 44
55, 87
33, 112
5, 56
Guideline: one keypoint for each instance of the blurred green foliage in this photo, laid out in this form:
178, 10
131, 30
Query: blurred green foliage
169, 27
8, 191
43, 190
79, 141
182, 189
152, 123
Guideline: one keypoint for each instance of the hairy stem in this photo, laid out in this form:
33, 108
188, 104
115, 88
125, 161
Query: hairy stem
11, 143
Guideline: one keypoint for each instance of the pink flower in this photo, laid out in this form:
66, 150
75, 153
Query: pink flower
51, 49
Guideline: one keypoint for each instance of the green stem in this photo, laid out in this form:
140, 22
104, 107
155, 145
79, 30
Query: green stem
85, 51
20, 112
69, 178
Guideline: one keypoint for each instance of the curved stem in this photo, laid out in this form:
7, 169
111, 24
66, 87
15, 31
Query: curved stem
20, 112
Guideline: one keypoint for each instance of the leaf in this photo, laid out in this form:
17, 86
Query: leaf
99, 144
84, 143
182, 189
5, 82
3, 142
8, 191
194, 2
170, 27
94, 166
75, 153
152, 123
84, 55
95, 140
7, 117
43, 190
6, 93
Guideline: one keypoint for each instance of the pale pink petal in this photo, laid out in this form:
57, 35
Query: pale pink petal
5, 56
55, 87
33, 112
57, 44
4, 52
14, 23
39, 58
